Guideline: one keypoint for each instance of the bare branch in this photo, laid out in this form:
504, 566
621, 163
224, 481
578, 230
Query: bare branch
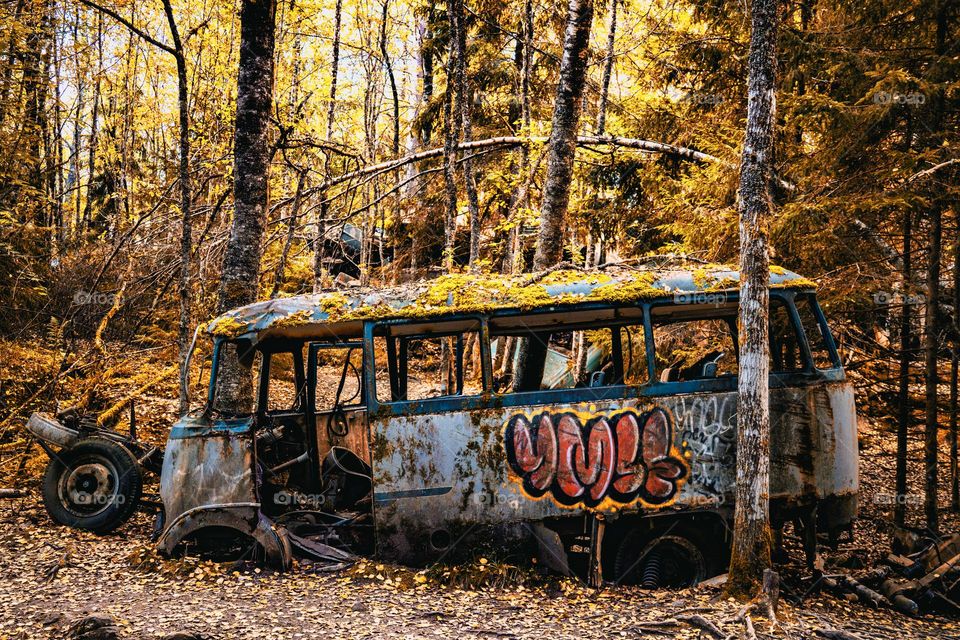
132, 27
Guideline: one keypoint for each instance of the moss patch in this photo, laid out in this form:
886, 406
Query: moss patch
462, 293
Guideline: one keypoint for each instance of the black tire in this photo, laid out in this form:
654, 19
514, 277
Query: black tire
659, 560
94, 485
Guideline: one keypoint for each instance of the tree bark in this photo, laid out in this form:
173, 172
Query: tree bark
241, 262
186, 233
464, 112
323, 213
751, 535
607, 69
931, 348
903, 422
954, 476
94, 124
291, 234
385, 52
563, 136
186, 226
452, 122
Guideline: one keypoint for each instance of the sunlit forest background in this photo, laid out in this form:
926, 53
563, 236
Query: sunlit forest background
90, 209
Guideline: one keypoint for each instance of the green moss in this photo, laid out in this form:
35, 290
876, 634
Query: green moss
639, 288
304, 316
227, 327
470, 293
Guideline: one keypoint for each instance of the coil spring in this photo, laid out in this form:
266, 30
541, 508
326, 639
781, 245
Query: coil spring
651, 570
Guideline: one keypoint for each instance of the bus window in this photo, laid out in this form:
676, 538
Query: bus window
634, 349
694, 349
338, 377
813, 329
785, 353
418, 366
285, 384
558, 359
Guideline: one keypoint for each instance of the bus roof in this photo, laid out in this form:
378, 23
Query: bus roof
340, 313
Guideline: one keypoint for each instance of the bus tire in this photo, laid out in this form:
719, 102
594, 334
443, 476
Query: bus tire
94, 485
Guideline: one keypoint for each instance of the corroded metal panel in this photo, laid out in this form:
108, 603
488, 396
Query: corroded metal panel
452, 472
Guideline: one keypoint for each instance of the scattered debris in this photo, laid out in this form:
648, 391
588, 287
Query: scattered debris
837, 634
923, 580
93, 627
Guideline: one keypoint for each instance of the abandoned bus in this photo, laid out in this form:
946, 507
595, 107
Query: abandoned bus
586, 417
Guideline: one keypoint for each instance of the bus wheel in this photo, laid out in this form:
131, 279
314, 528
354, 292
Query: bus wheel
93, 485
659, 561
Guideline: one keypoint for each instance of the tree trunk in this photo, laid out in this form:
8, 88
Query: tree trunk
931, 316
931, 347
291, 234
186, 226
563, 136
607, 69
318, 248
241, 262
426, 59
452, 122
954, 488
954, 477
385, 52
464, 112
94, 124
35, 83
903, 422
519, 197
751, 534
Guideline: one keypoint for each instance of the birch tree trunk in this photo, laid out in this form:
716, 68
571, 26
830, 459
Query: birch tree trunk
561, 148
607, 69
751, 534
452, 122
241, 262
318, 248
186, 232
464, 112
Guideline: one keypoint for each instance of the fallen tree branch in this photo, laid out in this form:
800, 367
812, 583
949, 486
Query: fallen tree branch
837, 634
637, 144
703, 624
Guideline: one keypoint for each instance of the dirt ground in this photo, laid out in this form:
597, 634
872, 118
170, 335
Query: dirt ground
51, 576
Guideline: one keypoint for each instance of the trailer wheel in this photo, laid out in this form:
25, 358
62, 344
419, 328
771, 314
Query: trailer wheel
94, 485
656, 561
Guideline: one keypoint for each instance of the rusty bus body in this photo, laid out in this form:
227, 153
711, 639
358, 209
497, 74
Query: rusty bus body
621, 467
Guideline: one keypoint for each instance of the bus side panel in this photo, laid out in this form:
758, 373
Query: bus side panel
441, 478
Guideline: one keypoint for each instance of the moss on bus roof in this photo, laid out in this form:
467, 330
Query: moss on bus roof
463, 293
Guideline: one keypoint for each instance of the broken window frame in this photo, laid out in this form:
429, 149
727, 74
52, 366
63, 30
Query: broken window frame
396, 356
615, 390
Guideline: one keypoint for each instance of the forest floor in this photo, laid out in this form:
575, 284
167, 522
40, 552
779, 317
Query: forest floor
52, 577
